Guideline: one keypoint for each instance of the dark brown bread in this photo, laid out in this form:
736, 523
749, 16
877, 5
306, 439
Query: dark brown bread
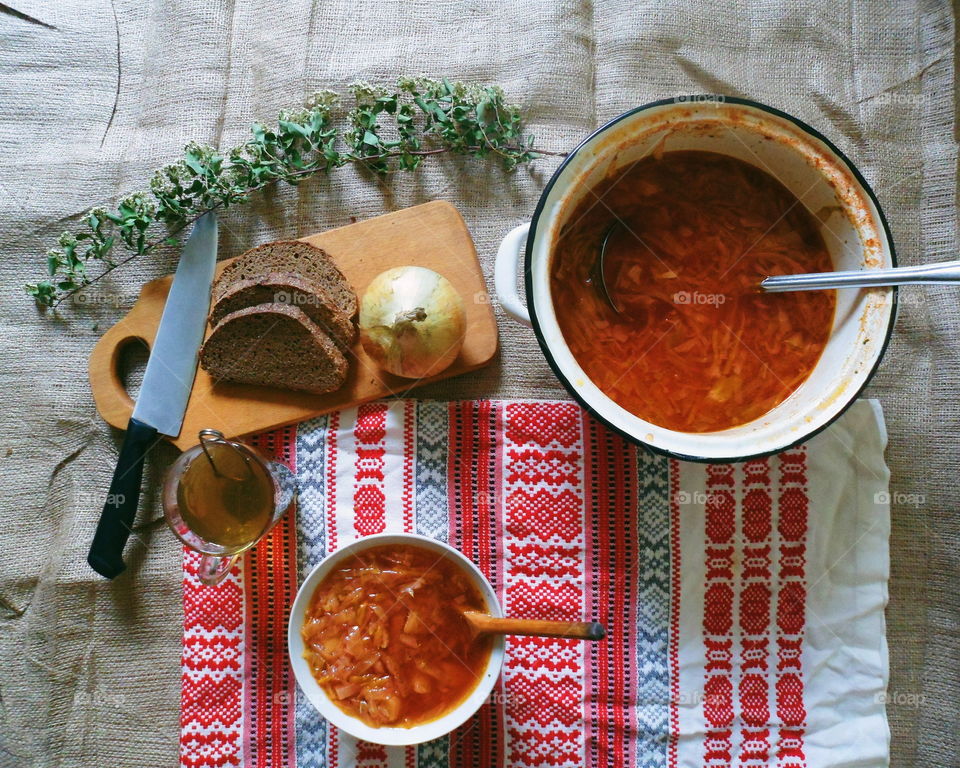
287, 288
274, 345
290, 256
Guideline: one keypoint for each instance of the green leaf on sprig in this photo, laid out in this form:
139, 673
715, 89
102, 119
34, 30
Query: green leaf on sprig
385, 131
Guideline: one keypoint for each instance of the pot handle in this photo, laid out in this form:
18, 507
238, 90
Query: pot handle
505, 274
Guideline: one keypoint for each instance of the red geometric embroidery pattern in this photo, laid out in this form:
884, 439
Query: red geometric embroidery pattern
610, 480
270, 583
755, 746
793, 507
212, 673
719, 562
716, 747
790, 699
539, 426
474, 528
554, 560
793, 514
545, 701
369, 500
547, 601
788, 653
718, 704
754, 702
792, 560
718, 700
552, 467
757, 507
542, 654
524, 476
754, 612
718, 611
370, 755
755, 609
754, 654
721, 512
331, 485
409, 432
542, 543
756, 562
545, 514
673, 742
719, 655
236, 707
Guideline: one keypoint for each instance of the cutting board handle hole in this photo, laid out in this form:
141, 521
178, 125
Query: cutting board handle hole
132, 354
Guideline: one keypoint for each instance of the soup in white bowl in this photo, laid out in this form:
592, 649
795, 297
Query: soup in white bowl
379, 645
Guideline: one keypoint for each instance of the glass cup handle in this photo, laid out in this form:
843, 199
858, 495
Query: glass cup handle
286, 488
213, 569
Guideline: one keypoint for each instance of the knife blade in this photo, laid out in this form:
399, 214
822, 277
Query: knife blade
164, 393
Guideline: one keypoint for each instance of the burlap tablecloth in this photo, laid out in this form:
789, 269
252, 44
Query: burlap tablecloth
93, 96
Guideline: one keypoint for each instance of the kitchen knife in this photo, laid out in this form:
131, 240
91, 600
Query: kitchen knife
164, 393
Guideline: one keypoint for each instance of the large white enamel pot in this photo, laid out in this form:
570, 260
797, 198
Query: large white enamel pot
813, 169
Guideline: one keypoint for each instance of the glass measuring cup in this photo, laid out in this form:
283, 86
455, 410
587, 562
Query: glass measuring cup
221, 497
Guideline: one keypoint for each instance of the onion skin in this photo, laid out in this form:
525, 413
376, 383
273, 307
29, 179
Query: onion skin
412, 322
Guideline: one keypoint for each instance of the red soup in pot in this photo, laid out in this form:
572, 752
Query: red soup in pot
695, 347
385, 636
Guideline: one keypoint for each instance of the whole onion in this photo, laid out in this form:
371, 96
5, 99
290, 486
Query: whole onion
412, 321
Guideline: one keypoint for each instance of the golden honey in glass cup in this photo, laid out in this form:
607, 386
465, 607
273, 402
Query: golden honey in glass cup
221, 497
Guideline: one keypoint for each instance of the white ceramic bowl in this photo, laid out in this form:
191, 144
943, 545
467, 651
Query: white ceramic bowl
318, 697
815, 171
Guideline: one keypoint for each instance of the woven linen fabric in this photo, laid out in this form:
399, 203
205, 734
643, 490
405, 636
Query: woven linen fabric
94, 95
743, 603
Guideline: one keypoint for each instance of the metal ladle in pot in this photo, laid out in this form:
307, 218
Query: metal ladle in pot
598, 273
923, 274
944, 272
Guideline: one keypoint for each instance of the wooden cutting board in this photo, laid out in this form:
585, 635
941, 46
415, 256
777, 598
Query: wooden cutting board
432, 235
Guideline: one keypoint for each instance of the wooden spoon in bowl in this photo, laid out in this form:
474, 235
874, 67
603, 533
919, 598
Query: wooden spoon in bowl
485, 624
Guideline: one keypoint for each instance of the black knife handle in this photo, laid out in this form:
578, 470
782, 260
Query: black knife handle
116, 521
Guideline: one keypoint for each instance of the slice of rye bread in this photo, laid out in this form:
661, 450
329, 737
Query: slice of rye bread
287, 288
273, 345
294, 256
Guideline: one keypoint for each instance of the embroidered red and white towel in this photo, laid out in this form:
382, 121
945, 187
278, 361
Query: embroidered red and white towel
743, 603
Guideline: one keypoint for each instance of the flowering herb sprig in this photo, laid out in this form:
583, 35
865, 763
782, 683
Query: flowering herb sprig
387, 131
